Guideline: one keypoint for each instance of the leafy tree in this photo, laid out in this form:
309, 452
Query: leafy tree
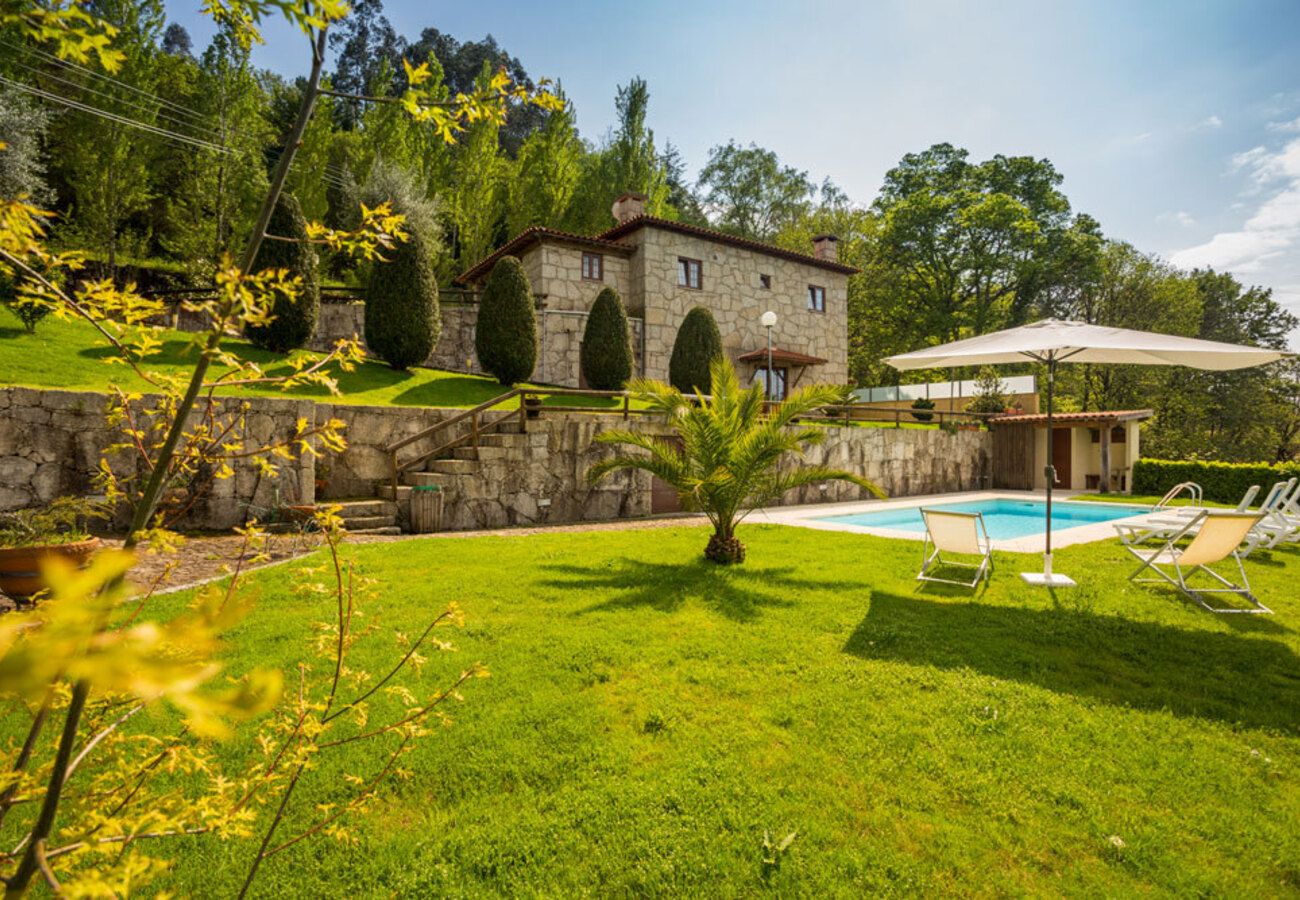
697, 345
681, 199
294, 312
990, 392
505, 336
628, 162
748, 192
476, 202
309, 180
23, 126
403, 321
367, 53
728, 457
107, 165
550, 163
176, 41
606, 354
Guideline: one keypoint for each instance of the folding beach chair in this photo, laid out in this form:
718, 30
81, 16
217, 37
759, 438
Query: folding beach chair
962, 533
1217, 536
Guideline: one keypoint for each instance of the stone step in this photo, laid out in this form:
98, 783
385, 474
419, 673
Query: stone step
385, 529
365, 523
423, 479
506, 441
349, 509
480, 453
403, 493
451, 466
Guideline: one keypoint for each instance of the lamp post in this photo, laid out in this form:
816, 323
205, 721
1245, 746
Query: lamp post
769, 322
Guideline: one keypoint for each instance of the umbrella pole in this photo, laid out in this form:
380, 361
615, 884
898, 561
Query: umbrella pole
1047, 578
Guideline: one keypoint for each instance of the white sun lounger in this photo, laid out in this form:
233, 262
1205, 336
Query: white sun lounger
963, 533
1216, 536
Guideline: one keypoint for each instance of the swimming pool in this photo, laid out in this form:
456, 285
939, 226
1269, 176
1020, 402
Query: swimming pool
1004, 518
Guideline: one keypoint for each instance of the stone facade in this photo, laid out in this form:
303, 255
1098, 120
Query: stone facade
51, 442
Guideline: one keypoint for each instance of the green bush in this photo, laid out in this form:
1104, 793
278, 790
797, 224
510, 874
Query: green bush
403, 322
990, 393
29, 311
293, 317
698, 344
606, 353
922, 403
1222, 482
506, 334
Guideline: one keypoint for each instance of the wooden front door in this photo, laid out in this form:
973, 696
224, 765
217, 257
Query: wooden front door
1062, 453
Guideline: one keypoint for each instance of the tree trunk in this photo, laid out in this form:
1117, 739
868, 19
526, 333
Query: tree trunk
724, 549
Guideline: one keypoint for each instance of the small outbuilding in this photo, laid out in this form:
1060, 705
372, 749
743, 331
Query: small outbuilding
1092, 451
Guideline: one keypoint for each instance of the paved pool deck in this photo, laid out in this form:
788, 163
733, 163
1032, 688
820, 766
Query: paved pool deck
810, 517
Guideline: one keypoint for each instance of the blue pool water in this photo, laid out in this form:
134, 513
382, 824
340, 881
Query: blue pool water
1005, 519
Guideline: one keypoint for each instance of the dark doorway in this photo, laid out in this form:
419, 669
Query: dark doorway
1062, 453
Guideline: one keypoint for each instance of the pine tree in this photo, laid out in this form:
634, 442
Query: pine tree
606, 353
403, 321
506, 334
293, 317
698, 343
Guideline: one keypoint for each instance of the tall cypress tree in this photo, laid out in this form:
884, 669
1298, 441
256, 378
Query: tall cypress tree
698, 343
403, 321
606, 353
293, 317
505, 337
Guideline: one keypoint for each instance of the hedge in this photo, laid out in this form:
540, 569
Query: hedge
1222, 482
293, 318
698, 343
605, 356
505, 336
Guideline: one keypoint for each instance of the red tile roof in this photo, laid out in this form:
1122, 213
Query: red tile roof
530, 236
1101, 417
721, 237
789, 357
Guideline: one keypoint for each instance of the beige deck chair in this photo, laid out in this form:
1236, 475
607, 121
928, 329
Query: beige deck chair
1218, 536
962, 533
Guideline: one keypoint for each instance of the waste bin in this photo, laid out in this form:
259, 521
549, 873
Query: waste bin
426, 508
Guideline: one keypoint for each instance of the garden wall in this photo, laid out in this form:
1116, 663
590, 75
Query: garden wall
51, 443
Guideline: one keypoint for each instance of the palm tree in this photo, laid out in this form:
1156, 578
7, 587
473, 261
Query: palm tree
726, 458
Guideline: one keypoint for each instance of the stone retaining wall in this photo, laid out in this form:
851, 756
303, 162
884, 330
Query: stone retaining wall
51, 443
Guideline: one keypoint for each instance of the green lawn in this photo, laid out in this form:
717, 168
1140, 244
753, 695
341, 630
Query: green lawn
649, 716
1147, 500
70, 355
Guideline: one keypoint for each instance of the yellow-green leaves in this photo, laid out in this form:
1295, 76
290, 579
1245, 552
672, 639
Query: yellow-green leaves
67, 28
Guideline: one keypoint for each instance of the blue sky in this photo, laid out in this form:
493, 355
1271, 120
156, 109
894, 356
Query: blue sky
1176, 124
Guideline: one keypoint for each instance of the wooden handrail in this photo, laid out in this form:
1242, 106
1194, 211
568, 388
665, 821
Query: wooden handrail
459, 417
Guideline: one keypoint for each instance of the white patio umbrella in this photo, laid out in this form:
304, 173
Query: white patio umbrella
1053, 341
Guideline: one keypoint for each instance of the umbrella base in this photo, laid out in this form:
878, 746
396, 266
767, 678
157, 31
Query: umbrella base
1048, 579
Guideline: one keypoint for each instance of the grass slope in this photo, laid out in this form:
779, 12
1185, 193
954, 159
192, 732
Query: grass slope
650, 716
70, 355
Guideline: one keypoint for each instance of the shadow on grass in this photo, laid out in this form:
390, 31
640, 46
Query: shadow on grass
737, 592
1204, 674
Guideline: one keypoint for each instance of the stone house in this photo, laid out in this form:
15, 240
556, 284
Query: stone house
662, 269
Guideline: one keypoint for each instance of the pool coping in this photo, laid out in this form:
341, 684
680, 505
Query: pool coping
809, 517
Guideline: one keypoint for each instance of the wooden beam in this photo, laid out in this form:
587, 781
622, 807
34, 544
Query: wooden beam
1105, 457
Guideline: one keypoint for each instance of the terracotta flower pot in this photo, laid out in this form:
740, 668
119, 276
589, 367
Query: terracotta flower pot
20, 567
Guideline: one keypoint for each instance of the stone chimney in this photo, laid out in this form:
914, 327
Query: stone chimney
628, 207
826, 246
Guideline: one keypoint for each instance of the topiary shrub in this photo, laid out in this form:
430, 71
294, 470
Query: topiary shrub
403, 321
606, 353
1222, 482
293, 318
698, 344
505, 337
29, 311
922, 403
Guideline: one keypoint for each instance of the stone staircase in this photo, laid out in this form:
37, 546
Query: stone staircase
369, 515
459, 474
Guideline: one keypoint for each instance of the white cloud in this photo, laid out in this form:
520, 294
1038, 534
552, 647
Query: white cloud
1291, 126
1212, 122
1181, 217
1273, 230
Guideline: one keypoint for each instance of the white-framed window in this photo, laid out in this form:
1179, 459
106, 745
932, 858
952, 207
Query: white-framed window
690, 273
593, 267
817, 298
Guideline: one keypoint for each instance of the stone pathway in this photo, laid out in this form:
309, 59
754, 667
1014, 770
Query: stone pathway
204, 558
